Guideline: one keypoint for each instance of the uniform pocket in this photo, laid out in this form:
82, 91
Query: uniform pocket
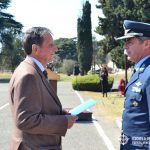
136, 100
137, 97
133, 100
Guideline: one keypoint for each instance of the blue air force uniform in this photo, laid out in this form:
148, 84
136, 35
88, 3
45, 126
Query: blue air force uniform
136, 114
136, 118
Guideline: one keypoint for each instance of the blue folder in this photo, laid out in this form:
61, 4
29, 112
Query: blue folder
80, 108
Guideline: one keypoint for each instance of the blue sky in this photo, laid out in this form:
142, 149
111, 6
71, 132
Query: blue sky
60, 16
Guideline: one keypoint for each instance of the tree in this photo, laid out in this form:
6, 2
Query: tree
67, 66
66, 48
7, 23
9, 29
115, 12
84, 42
12, 51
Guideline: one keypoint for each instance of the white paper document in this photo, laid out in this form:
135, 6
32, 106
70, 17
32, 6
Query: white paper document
80, 108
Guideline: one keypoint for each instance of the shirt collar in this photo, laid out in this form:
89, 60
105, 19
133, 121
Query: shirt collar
138, 65
37, 63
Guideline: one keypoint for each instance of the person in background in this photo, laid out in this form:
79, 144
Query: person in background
38, 117
104, 81
121, 86
76, 69
136, 114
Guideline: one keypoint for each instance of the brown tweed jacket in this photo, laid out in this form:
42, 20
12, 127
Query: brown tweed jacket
38, 123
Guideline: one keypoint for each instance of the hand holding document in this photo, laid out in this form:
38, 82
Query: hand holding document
80, 108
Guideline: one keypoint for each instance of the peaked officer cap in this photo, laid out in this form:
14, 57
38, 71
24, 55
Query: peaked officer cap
135, 29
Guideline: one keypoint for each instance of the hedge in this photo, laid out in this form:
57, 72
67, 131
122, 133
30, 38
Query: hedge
90, 83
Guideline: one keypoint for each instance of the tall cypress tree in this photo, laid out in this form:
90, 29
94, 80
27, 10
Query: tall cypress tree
84, 42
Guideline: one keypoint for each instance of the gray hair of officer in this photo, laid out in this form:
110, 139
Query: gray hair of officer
140, 30
34, 35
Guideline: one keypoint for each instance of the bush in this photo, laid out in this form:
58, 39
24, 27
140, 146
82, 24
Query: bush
89, 83
67, 66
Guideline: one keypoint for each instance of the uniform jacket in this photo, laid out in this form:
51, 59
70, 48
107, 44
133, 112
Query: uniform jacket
136, 115
38, 123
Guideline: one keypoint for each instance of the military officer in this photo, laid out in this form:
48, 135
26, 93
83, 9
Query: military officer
136, 115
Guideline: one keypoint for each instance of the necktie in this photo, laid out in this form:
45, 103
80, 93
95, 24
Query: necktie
45, 74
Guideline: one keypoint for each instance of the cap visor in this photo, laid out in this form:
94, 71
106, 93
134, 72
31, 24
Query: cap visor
124, 37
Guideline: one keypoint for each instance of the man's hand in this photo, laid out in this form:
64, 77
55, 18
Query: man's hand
71, 120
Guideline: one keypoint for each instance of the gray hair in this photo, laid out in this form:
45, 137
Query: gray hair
34, 35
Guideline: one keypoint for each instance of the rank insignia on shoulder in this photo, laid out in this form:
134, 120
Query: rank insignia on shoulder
138, 83
141, 70
135, 103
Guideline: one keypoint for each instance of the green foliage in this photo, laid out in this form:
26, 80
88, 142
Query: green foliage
119, 59
7, 23
115, 12
9, 29
66, 48
84, 42
12, 51
89, 83
67, 66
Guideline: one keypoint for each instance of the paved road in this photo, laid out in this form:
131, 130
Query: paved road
83, 135
5, 117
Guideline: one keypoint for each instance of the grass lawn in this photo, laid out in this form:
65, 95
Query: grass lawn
111, 107
5, 75
64, 77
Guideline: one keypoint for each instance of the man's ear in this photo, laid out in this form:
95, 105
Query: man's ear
34, 49
147, 42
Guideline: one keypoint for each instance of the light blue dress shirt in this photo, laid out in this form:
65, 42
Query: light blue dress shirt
37, 63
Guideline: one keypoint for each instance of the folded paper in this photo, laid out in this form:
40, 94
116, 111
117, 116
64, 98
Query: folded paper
80, 108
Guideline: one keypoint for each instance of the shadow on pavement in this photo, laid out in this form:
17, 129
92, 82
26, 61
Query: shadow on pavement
84, 122
4, 80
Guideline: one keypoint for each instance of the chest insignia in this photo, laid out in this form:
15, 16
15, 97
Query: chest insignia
135, 103
141, 70
136, 89
138, 83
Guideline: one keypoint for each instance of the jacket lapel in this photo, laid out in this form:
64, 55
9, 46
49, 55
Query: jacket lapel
134, 77
45, 82
50, 89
